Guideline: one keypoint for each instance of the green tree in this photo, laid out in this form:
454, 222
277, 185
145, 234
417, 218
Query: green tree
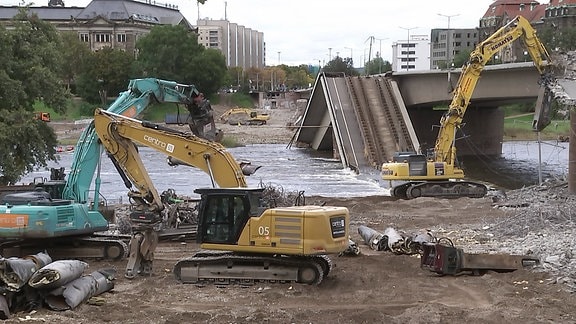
76, 55
272, 77
30, 67
461, 58
173, 53
299, 79
377, 65
297, 76
105, 74
234, 77
340, 65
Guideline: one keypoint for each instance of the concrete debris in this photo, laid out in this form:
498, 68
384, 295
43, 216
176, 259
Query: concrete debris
537, 221
4, 309
352, 249
564, 89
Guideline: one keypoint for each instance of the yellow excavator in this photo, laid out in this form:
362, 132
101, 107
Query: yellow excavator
241, 239
435, 174
244, 116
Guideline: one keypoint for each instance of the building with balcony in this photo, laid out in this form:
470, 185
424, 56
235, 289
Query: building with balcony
242, 47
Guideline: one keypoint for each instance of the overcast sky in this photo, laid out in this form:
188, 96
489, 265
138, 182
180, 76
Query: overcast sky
303, 31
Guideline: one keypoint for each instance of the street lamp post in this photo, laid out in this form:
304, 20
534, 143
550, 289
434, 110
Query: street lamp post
380, 54
448, 51
408, 45
279, 57
330, 53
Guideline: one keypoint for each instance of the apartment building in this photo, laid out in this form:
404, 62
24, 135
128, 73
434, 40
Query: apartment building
243, 47
445, 44
411, 54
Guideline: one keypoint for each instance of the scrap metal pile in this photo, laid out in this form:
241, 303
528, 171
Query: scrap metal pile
36, 281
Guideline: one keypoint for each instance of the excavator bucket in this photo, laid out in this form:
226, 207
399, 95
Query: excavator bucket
543, 109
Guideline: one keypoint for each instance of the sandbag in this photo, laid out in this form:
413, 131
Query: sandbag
15, 272
57, 273
80, 290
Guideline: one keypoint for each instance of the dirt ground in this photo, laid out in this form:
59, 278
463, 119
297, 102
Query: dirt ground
375, 286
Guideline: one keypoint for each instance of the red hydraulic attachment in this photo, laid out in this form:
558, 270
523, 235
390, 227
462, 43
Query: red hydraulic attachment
445, 259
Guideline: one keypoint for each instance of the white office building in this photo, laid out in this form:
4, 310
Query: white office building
412, 54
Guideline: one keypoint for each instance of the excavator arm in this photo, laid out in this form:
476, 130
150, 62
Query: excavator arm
141, 93
517, 28
120, 135
431, 175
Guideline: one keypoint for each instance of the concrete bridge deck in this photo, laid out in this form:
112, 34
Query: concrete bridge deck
364, 120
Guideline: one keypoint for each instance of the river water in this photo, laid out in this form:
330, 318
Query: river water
316, 173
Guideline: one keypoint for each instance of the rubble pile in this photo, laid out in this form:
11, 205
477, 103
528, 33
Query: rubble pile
539, 221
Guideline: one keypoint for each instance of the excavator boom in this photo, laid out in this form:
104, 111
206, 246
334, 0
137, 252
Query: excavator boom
118, 134
140, 95
432, 175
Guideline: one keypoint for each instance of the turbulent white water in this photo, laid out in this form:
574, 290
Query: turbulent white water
292, 169
316, 173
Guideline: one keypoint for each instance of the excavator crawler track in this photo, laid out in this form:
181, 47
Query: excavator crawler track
224, 268
86, 248
439, 189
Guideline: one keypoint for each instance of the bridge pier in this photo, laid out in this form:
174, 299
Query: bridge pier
484, 130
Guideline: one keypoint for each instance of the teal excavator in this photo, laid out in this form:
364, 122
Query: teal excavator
60, 214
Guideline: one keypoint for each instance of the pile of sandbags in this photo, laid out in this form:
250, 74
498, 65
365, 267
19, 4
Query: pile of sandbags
36, 281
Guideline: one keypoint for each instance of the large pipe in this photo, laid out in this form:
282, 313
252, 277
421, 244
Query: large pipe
374, 239
394, 241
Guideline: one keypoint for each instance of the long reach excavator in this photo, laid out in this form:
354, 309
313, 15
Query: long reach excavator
242, 240
435, 174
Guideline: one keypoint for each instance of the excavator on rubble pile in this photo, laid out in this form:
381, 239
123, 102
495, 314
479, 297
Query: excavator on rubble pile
242, 240
61, 216
436, 174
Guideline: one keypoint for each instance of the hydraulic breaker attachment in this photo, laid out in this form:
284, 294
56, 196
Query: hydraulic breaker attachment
543, 108
446, 259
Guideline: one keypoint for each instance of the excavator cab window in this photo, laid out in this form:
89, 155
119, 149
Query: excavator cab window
417, 165
224, 217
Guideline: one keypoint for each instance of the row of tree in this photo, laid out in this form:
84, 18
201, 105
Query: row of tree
38, 63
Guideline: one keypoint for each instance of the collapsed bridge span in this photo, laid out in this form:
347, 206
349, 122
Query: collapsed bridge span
363, 119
